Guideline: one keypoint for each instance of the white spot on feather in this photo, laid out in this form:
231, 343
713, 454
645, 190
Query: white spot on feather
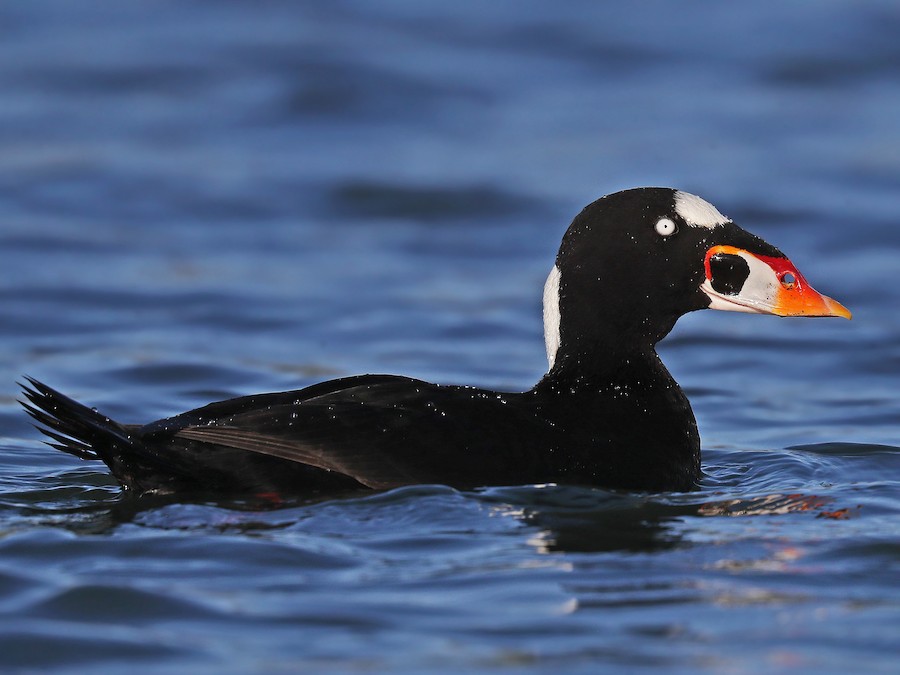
551, 314
697, 212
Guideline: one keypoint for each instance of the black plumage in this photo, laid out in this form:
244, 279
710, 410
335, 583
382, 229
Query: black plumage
607, 413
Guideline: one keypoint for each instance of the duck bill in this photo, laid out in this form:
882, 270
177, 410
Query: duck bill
740, 281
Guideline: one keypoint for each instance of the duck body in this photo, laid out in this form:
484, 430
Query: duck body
384, 431
607, 413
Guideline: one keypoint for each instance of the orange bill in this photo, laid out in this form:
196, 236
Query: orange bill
740, 281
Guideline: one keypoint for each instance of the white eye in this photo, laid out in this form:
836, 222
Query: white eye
665, 227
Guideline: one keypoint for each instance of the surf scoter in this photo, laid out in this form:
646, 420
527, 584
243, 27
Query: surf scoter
607, 413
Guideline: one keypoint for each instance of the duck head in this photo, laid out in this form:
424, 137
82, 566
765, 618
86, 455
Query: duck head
633, 262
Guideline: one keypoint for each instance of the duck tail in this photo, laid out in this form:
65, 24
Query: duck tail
73, 427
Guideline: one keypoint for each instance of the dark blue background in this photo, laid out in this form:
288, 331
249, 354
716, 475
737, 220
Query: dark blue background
206, 199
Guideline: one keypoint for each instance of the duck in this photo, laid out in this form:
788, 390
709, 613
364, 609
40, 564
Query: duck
606, 414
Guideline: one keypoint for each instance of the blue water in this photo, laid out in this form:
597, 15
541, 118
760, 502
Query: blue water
203, 200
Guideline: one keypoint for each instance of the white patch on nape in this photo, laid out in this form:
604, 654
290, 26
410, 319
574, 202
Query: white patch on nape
698, 212
551, 314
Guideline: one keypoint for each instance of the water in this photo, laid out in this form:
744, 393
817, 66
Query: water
211, 199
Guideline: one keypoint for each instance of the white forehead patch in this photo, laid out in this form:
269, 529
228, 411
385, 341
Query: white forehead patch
697, 212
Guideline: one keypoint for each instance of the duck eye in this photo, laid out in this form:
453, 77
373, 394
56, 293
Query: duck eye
788, 280
666, 227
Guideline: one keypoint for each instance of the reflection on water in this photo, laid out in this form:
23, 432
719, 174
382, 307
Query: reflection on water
544, 552
559, 518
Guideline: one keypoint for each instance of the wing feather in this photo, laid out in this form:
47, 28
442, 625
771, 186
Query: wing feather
381, 431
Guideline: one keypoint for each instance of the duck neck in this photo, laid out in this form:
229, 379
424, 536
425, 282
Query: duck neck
605, 366
628, 327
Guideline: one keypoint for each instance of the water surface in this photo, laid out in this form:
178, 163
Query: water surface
205, 200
